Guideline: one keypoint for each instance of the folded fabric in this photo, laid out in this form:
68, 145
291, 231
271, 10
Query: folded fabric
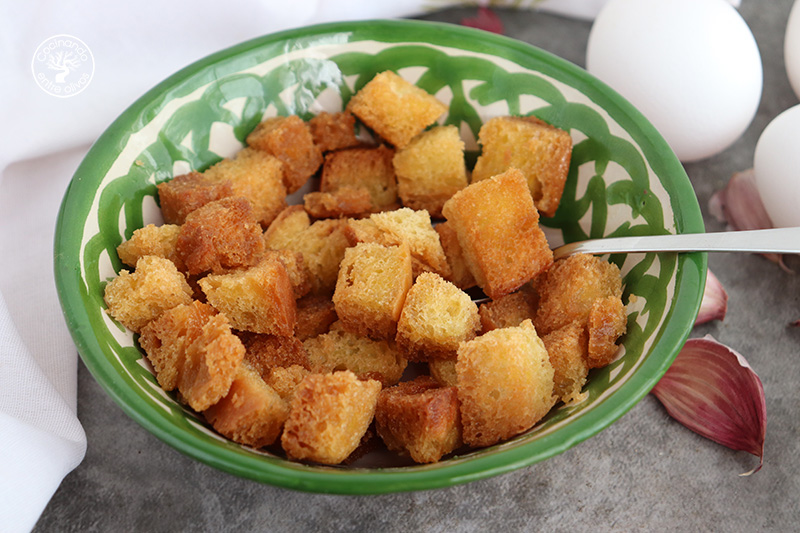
133, 46
41, 440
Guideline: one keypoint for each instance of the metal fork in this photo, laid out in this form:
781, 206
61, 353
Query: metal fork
779, 240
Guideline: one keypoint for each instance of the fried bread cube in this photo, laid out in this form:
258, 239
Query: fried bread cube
437, 316
444, 371
322, 244
290, 140
404, 225
299, 276
394, 108
541, 151
607, 323
259, 299
252, 413
505, 384
430, 169
328, 416
568, 290
265, 352
257, 176
498, 229
567, 348
183, 194
365, 167
459, 271
211, 363
333, 131
366, 358
286, 228
420, 418
165, 339
152, 240
134, 299
221, 235
345, 202
371, 288
509, 310
285, 379
281, 361
315, 314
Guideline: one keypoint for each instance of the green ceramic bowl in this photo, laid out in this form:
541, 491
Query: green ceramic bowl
624, 180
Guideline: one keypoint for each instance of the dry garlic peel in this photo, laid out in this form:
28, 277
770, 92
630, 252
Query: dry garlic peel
739, 205
715, 301
712, 390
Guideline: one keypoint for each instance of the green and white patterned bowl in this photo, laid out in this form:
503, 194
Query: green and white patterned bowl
624, 180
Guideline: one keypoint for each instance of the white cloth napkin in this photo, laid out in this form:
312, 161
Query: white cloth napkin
134, 45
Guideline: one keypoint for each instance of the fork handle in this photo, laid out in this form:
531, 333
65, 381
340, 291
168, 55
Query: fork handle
778, 240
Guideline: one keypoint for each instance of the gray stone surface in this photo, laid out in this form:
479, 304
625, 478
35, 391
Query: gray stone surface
645, 471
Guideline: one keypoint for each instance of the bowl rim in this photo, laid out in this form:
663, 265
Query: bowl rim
690, 280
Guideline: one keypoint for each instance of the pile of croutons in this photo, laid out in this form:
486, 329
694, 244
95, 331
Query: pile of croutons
295, 325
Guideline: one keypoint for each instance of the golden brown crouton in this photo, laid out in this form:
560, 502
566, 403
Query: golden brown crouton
219, 236
259, 299
541, 151
568, 290
444, 371
134, 299
285, 379
152, 240
333, 131
211, 364
371, 288
459, 272
345, 202
322, 244
567, 350
505, 384
368, 168
394, 108
315, 314
340, 349
607, 323
419, 418
328, 416
257, 176
404, 225
287, 226
430, 169
166, 339
183, 194
252, 413
289, 139
295, 266
436, 317
509, 310
498, 229
266, 352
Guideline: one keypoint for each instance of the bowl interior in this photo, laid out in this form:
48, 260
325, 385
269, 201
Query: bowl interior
623, 180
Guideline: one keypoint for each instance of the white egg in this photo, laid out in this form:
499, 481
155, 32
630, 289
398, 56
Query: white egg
777, 168
692, 67
791, 48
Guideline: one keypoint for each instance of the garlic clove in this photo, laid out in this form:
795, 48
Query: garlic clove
739, 206
715, 301
486, 19
712, 390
